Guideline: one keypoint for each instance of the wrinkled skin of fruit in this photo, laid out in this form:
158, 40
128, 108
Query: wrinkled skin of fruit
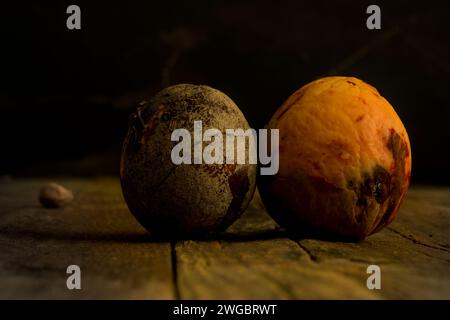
345, 161
171, 199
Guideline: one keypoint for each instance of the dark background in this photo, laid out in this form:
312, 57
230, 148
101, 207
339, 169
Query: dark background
66, 94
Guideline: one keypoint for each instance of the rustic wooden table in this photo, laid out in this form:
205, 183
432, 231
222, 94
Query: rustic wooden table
254, 259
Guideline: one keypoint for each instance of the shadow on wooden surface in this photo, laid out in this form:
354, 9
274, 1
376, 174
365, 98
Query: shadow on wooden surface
253, 259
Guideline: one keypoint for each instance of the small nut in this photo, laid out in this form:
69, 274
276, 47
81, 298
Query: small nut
54, 195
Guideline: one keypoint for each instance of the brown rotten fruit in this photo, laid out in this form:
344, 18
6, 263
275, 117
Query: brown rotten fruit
188, 198
345, 160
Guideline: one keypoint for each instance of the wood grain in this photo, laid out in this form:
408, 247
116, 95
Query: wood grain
281, 268
95, 232
254, 259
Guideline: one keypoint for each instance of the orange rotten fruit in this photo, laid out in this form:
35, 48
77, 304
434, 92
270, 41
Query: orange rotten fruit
345, 160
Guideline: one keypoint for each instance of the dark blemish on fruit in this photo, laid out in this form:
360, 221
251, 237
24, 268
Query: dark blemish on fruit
239, 183
229, 168
298, 96
351, 183
211, 169
374, 187
165, 117
239, 186
399, 150
360, 118
406, 151
397, 146
363, 101
377, 185
216, 170
316, 165
352, 83
284, 111
153, 122
322, 185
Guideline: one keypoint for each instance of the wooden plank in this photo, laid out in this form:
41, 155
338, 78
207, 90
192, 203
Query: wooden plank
425, 217
254, 259
413, 253
95, 232
279, 268
260, 269
408, 271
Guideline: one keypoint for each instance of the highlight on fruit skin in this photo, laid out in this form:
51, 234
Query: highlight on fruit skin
345, 161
